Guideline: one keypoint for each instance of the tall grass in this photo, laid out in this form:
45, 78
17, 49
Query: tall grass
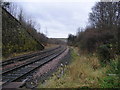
84, 71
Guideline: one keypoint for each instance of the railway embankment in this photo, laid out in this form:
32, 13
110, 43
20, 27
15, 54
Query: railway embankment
16, 38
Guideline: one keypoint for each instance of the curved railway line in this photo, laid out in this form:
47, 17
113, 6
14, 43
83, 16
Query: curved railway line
26, 56
31, 63
13, 63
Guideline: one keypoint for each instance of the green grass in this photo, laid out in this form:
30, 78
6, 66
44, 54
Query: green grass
84, 72
112, 78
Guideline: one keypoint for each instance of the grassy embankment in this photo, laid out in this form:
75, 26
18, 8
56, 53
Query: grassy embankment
84, 71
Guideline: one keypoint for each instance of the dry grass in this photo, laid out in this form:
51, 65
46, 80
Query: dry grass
50, 46
84, 71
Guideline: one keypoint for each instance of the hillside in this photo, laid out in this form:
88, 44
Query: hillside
15, 37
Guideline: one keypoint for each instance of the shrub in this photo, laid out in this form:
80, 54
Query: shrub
104, 53
112, 78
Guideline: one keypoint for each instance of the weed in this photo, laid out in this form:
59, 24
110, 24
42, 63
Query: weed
84, 72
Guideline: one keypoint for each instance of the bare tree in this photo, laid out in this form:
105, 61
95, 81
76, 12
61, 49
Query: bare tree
20, 16
105, 15
6, 5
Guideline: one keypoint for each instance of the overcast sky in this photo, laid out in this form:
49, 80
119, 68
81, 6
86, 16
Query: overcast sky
58, 19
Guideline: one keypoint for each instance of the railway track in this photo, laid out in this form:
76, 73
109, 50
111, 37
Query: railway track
31, 60
18, 61
25, 70
26, 56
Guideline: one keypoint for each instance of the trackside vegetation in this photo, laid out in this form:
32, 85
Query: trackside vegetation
102, 38
85, 71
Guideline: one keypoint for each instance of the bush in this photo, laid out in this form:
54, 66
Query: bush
112, 79
114, 67
104, 53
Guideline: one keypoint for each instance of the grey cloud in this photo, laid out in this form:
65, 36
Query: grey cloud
59, 18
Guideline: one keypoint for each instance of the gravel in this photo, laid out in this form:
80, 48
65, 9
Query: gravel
46, 71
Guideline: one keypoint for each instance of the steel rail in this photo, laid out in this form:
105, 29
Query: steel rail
40, 57
30, 67
26, 56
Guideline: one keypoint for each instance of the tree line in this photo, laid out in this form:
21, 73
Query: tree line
102, 35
